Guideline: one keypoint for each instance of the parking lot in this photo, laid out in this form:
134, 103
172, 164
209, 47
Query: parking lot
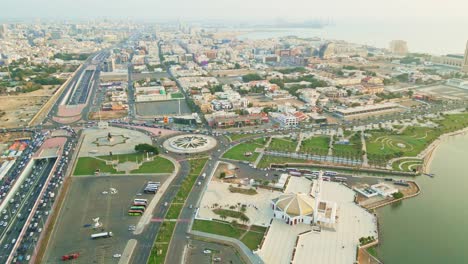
446, 92
90, 198
162, 108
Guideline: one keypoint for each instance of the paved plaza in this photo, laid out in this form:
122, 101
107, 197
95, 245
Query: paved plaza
219, 193
327, 246
90, 146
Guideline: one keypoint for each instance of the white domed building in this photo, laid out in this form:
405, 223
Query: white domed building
294, 208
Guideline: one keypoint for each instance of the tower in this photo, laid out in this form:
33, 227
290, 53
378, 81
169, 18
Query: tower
465, 60
317, 196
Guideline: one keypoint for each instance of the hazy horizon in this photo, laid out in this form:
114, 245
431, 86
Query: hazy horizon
430, 26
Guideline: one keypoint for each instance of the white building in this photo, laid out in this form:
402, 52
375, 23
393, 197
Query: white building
285, 119
294, 208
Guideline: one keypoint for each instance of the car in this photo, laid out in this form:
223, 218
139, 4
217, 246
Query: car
117, 255
206, 251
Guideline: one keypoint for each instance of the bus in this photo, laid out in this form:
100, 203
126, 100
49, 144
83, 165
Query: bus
138, 208
340, 179
141, 200
136, 213
139, 204
101, 235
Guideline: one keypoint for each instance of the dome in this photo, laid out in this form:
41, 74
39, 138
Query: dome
295, 204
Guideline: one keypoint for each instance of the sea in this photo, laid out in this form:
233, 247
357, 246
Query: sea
432, 227
422, 36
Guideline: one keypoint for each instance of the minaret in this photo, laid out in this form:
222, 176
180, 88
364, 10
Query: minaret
317, 195
465, 60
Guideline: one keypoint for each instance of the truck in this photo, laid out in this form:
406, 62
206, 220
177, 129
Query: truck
101, 235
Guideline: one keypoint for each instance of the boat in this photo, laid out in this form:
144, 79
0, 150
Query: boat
430, 174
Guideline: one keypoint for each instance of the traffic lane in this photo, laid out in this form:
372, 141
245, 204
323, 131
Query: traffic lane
196, 255
24, 210
179, 239
141, 253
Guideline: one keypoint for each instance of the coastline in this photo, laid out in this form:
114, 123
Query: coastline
428, 156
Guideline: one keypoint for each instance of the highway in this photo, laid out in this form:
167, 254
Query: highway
14, 216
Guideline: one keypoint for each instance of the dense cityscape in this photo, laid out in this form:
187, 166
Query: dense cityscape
187, 142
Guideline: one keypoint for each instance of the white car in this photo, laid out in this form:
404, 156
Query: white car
117, 255
207, 251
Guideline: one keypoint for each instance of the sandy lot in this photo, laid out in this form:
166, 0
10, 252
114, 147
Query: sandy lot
106, 115
18, 110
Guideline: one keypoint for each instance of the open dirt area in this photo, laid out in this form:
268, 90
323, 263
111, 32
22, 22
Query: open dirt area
18, 110
105, 115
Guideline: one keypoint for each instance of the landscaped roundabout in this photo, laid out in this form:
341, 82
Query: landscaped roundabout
189, 143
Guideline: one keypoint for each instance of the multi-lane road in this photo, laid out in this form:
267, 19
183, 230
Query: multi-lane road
13, 217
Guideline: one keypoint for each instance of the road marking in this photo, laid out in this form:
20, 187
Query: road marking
160, 220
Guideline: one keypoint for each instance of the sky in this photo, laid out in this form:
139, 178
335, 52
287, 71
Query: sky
432, 26
236, 9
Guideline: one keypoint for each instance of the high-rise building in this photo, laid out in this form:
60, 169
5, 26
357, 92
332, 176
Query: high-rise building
465, 59
3, 30
398, 47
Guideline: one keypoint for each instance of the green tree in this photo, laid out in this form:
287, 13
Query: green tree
146, 148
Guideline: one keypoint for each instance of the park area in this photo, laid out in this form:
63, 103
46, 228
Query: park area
384, 145
316, 145
352, 149
251, 237
236, 137
283, 144
245, 151
135, 163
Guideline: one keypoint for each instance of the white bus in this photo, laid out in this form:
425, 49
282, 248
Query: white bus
141, 201
101, 235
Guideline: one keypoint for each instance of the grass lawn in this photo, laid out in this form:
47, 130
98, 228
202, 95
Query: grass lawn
196, 165
214, 227
174, 211
177, 95
237, 152
267, 160
251, 239
159, 251
316, 145
384, 145
353, 149
282, 144
88, 165
235, 137
406, 164
158, 165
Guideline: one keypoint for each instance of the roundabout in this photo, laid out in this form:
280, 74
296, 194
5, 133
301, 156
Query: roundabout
189, 143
